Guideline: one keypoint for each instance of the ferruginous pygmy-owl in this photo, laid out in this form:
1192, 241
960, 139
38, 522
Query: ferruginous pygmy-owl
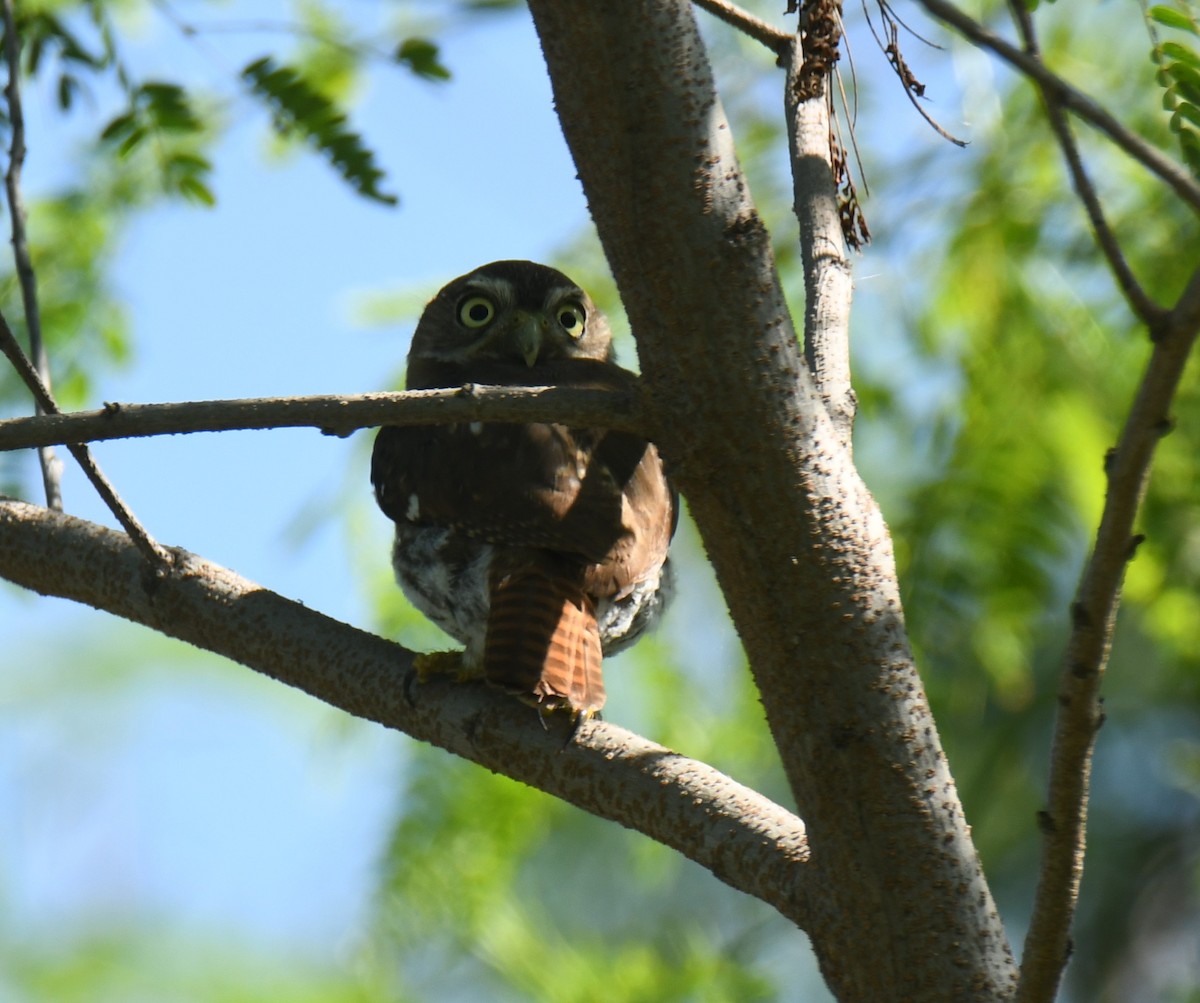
539, 547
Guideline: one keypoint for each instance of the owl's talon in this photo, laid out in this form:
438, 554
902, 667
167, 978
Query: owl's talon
577, 723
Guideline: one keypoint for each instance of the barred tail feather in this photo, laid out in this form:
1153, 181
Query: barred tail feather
543, 643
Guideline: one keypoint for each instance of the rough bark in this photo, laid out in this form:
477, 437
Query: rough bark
799, 546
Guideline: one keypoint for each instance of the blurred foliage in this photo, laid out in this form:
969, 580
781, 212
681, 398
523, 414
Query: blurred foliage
125, 965
1179, 74
1035, 359
158, 143
300, 109
995, 362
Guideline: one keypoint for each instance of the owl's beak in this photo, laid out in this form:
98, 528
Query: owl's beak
528, 337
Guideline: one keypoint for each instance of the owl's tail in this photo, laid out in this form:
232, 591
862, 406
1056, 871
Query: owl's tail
543, 643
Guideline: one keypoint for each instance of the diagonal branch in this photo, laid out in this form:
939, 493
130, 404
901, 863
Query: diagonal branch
775, 39
1093, 613
1071, 99
1142, 305
50, 464
746, 840
83, 456
335, 414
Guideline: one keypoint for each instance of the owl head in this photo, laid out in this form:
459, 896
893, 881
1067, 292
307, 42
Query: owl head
516, 313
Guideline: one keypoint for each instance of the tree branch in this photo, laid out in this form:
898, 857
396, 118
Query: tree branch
799, 546
828, 286
334, 414
51, 465
1068, 97
42, 396
1093, 615
743, 838
1144, 308
775, 39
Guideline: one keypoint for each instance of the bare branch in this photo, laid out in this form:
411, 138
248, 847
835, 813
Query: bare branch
1093, 614
828, 286
1142, 305
743, 838
41, 394
1160, 165
773, 38
334, 415
50, 463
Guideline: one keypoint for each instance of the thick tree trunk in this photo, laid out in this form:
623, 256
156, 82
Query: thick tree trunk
900, 907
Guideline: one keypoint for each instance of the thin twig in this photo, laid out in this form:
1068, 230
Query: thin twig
1073, 100
50, 463
775, 39
335, 415
157, 556
1142, 305
1093, 614
913, 89
743, 838
889, 13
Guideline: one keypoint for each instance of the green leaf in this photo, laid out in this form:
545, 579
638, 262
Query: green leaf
1187, 81
1185, 113
195, 190
1183, 73
297, 107
68, 87
1173, 50
131, 141
1173, 18
168, 106
421, 56
190, 161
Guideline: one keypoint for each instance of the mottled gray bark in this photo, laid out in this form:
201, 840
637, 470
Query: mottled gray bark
901, 910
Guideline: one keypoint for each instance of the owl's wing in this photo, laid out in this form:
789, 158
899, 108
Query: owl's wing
543, 486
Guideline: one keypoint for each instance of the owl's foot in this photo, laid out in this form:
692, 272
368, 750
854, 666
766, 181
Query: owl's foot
578, 720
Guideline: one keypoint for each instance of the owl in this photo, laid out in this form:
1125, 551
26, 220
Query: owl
540, 547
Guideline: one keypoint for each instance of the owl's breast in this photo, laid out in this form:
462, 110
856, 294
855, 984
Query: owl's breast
445, 576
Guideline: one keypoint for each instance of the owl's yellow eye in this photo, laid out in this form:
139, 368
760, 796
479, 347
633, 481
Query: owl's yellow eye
570, 319
476, 311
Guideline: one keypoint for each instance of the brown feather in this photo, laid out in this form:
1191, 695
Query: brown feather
543, 643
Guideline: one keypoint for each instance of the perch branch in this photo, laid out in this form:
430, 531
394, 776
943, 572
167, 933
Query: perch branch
1093, 613
335, 415
1073, 100
50, 463
744, 839
1142, 305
